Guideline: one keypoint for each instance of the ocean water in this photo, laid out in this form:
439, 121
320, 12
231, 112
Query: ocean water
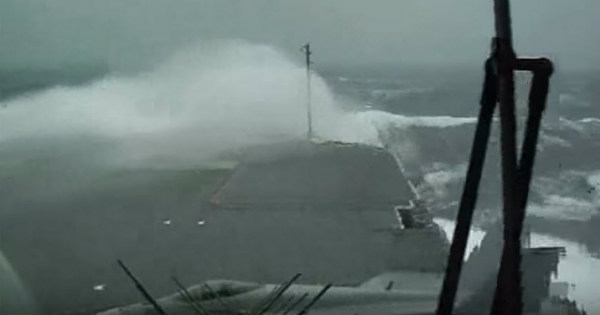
427, 120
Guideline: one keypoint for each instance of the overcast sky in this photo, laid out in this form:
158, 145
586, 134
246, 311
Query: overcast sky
131, 33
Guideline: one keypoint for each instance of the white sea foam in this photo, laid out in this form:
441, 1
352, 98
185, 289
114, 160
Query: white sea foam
382, 119
564, 207
587, 124
573, 195
200, 103
442, 176
554, 140
590, 120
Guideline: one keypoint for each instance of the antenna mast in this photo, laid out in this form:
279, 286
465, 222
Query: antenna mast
307, 53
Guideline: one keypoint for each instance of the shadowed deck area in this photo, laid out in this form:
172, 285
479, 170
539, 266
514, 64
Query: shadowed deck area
64, 223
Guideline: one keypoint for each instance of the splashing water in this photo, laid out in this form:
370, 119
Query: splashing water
202, 102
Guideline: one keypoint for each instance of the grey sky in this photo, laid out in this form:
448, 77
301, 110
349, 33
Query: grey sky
126, 33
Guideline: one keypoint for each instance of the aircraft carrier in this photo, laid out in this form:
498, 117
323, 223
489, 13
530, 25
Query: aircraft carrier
328, 210
340, 209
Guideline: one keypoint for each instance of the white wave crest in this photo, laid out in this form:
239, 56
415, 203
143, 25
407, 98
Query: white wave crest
582, 125
592, 120
554, 140
564, 207
202, 102
573, 195
593, 179
383, 120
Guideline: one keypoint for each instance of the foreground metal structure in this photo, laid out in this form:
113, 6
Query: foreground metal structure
243, 192
499, 86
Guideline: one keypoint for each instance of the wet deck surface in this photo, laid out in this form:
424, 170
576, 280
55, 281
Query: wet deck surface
64, 236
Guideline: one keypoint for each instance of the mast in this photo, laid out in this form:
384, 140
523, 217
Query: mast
307, 53
508, 297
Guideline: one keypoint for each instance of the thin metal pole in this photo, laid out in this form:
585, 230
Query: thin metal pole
315, 299
141, 288
283, 305
291, 307
281, 291
503, 20
226, 307
188, 296
508, 295
469, 196
511, 255
273, 294
542, 69
308, 53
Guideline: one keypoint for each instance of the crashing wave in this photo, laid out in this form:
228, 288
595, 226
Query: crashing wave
383, 120
582, 125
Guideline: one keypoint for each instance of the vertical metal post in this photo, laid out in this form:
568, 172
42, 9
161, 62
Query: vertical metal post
508, 295
307, 53
469, 196
502, 20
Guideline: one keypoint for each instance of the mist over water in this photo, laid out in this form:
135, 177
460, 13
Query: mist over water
201, 104
204, 101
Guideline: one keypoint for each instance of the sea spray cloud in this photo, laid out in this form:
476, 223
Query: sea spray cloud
203, 101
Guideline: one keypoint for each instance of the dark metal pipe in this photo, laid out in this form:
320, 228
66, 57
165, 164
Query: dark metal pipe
469, 197
314, 300
141, 288
279, 294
